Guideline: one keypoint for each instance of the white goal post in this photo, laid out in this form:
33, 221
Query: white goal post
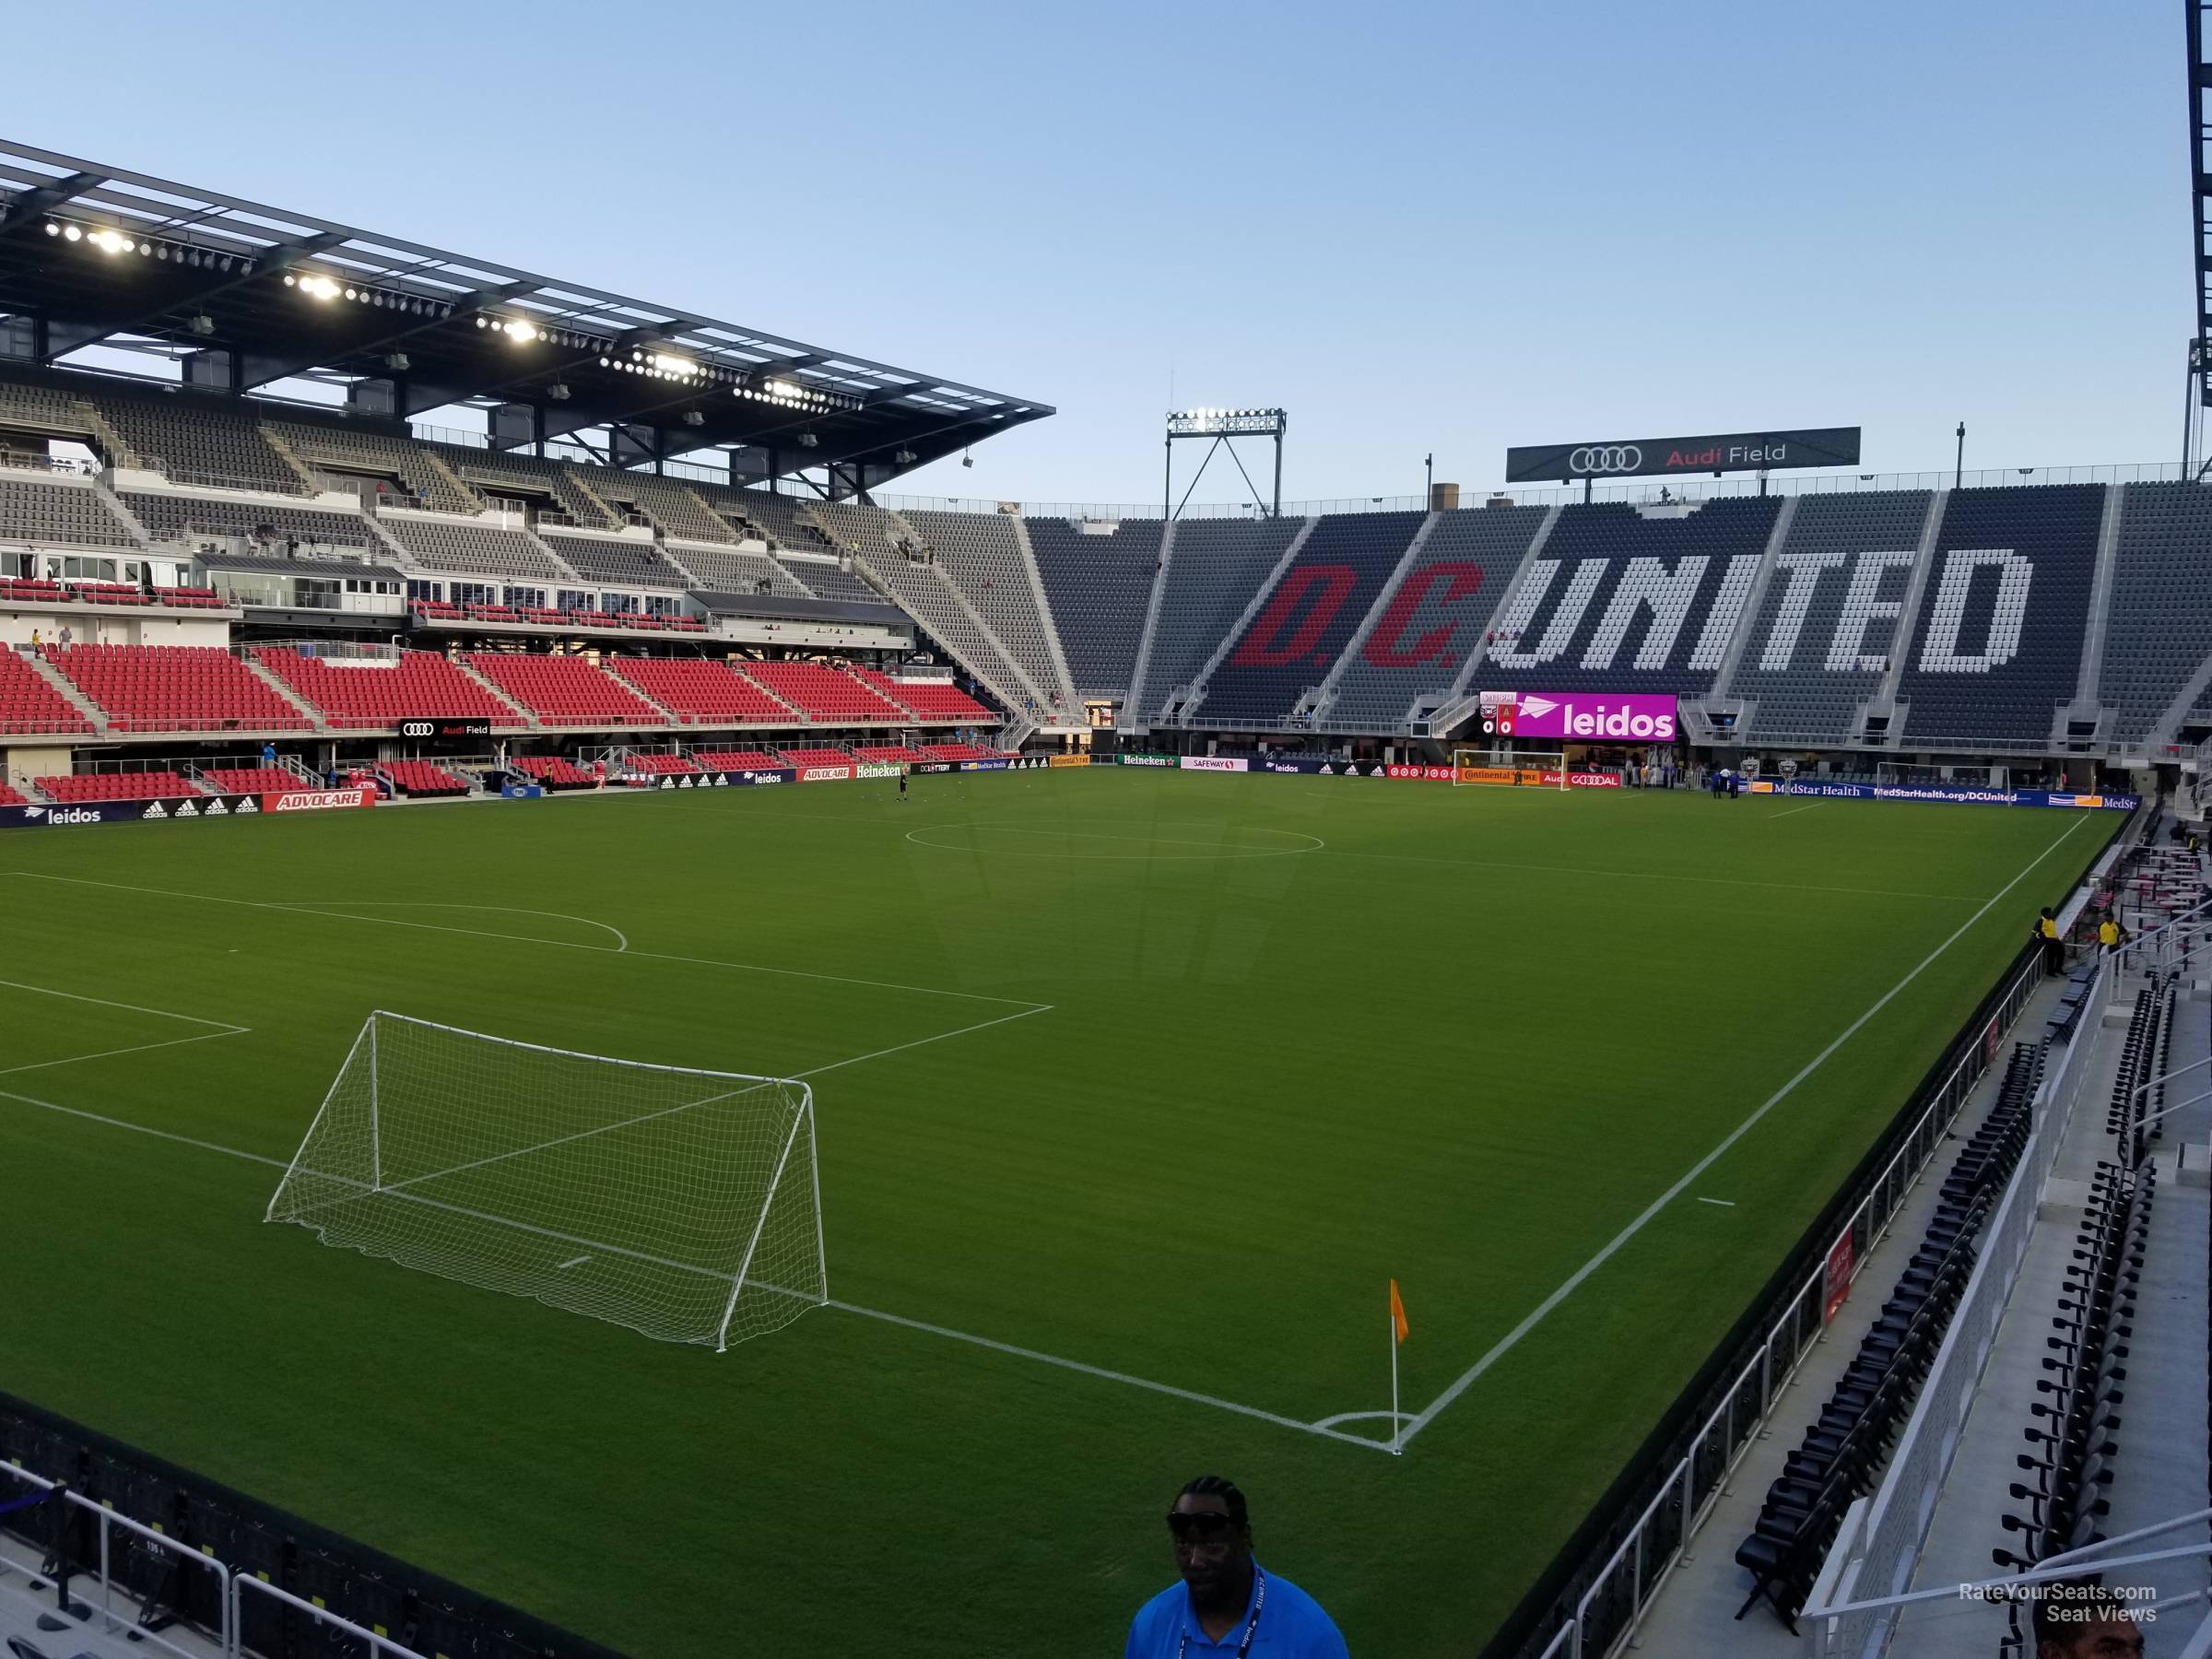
1509, 769
684, 1205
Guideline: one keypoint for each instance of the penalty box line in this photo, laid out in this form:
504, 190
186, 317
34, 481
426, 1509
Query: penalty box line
948, 1332
220, 1028
1511, 1339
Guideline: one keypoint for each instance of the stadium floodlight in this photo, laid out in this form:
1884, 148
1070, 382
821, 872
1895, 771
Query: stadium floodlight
1223, 427
683, 1203
73, 233
53, 229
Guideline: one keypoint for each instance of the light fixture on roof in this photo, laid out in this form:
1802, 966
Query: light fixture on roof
692, 418
905, 457
398, 362
73, 233
808, 440
557, 392
519, 331
202, 325
314, 288
53, 229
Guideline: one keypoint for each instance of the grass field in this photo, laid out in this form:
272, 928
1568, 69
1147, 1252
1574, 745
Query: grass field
1163, 1076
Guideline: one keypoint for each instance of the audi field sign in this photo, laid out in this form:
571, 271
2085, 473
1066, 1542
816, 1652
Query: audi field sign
1656, 457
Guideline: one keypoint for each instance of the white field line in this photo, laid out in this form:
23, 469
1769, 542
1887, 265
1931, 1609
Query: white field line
136, 1048
921, 1041
1511, 1339
109, 1003
478, 933
503, 908
222, 1027
1786, 887
1113, 1376
182, 1140
1794, 811
597, 1246
572, 1261
1724, 1203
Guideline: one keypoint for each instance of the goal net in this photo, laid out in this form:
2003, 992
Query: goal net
682, 1204
1509, 769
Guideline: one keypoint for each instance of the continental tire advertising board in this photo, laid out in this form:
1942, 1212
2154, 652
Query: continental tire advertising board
1660, 457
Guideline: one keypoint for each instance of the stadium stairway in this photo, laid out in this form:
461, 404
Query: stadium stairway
491, 690
67, 688
1694, 1613
260, 671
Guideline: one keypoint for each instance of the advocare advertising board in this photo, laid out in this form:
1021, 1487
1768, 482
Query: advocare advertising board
1658, 457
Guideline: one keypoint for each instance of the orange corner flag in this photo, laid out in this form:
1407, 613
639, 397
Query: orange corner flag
1397, 1312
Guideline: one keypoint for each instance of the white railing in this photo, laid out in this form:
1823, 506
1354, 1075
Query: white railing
1630, 1577
1886, 1612
1873, 1555
117, 1613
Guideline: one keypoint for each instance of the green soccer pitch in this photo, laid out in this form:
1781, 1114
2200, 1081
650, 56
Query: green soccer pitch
1134, 1090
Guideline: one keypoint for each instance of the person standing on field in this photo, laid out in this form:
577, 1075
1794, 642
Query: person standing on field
902, 783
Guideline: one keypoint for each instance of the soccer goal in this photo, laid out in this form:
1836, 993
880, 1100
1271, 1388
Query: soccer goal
1509, 769
683, 1203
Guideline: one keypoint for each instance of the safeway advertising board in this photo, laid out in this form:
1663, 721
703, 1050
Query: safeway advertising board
1215, 763
1580, 717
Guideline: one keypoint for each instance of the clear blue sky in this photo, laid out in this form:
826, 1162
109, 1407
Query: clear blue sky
1416, 227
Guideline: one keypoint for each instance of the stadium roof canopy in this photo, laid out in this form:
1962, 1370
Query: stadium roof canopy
249, 296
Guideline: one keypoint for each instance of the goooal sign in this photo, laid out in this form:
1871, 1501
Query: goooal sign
1656, 457
1586, 717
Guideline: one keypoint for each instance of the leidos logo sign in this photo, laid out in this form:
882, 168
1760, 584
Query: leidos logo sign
1630, 718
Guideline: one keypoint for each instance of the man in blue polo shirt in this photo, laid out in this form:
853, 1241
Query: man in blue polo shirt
1227, 1602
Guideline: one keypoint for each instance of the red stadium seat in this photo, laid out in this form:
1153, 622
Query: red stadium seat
816, 757
421, 777
565, 691
737, 760
930, 700
824, 694
176, 689
355, 694
118, 786
30, 704
702, 693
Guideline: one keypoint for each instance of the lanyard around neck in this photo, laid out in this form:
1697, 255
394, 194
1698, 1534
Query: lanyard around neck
1259, 1604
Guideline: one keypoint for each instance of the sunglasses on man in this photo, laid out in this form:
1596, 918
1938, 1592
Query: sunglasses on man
1202, 1528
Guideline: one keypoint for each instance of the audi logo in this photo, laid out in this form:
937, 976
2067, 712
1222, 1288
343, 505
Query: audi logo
417, 728
1618, 457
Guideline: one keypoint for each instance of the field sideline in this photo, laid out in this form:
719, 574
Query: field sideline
1133, 1088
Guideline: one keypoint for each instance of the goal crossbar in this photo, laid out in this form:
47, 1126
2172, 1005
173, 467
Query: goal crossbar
699, 1214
